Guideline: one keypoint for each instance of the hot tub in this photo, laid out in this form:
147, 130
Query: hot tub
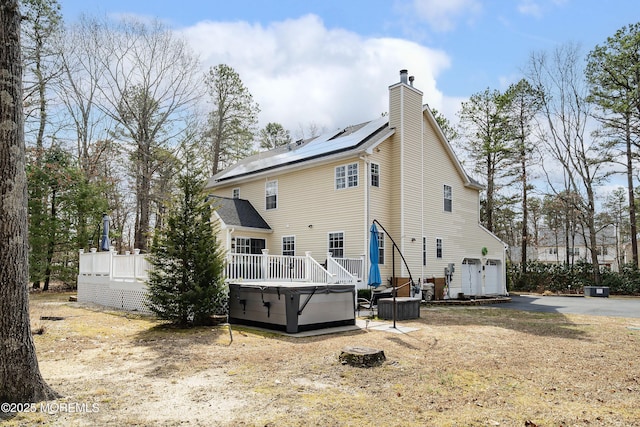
292, 307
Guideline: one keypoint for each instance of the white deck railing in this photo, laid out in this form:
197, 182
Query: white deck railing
246, 267
117, 267
355, 266
265, 267
336, 269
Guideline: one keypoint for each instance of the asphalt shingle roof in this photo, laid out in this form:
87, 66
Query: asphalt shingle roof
238, 212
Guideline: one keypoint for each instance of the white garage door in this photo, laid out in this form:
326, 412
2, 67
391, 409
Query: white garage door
471, 284
492, 277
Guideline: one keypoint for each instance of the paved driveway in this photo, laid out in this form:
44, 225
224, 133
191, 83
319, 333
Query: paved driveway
618, 307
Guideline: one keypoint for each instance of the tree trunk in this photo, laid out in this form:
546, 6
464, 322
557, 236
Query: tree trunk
490, 193
51, 244
20, 379
525, 212
143, 197
364, 357
632, 203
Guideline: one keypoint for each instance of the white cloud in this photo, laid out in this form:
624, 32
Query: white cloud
300, 72
443, 14
530, 7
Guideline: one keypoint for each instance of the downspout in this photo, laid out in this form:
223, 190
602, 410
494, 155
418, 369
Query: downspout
422, 264
367, 216
230, 231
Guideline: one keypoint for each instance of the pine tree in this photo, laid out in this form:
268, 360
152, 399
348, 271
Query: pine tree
186, 284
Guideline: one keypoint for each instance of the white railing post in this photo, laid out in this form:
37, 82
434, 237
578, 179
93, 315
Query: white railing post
307, 267
93, 260
111, 264
330, 262
80, 261
136, 254
265, 264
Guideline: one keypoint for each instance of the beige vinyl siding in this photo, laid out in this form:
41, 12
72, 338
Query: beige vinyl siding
405, 114
380, 207
395, 121
309, 207
460, 231
412, 210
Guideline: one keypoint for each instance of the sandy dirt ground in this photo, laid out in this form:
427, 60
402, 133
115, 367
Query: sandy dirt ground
461, 366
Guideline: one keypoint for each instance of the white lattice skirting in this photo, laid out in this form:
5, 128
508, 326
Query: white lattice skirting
129, 295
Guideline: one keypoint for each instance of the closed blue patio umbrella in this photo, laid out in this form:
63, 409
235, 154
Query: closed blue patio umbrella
104, 242
374, 269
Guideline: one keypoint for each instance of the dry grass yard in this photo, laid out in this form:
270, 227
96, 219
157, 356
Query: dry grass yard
475, 366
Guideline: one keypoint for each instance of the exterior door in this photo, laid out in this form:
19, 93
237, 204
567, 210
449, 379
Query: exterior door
256, 246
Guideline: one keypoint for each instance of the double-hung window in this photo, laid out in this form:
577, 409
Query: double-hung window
271, 195
347, 176
336, 244
424, 250
448, 200
242, 245
380, 248
438, 248
288, 245
375, 175
236, 193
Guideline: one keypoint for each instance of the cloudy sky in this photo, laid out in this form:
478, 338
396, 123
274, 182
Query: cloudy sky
330, 62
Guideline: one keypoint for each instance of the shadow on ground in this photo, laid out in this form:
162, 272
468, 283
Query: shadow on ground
530, 322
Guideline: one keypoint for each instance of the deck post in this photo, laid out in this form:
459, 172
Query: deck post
307, 267
110, 265
136, 253
92, 251
265, 264
331, 278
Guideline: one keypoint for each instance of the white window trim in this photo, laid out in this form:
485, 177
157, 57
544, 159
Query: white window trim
329, 241
294, 244
382, 240
371, 175
235, 244
425, 250
443, 197
441, 248
234, 192
346, 176
266, 195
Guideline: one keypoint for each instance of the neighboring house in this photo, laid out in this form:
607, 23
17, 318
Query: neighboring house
321, 196
552, 248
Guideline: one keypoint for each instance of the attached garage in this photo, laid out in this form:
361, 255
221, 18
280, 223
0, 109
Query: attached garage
481, 277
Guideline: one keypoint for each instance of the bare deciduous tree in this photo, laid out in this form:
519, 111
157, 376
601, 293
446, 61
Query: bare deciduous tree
42, 23
78, 90
559, 78
150, 82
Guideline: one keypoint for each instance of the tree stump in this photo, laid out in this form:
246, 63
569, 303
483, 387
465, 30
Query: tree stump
363, 357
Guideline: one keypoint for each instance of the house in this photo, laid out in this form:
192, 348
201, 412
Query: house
554, 248
320, 196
